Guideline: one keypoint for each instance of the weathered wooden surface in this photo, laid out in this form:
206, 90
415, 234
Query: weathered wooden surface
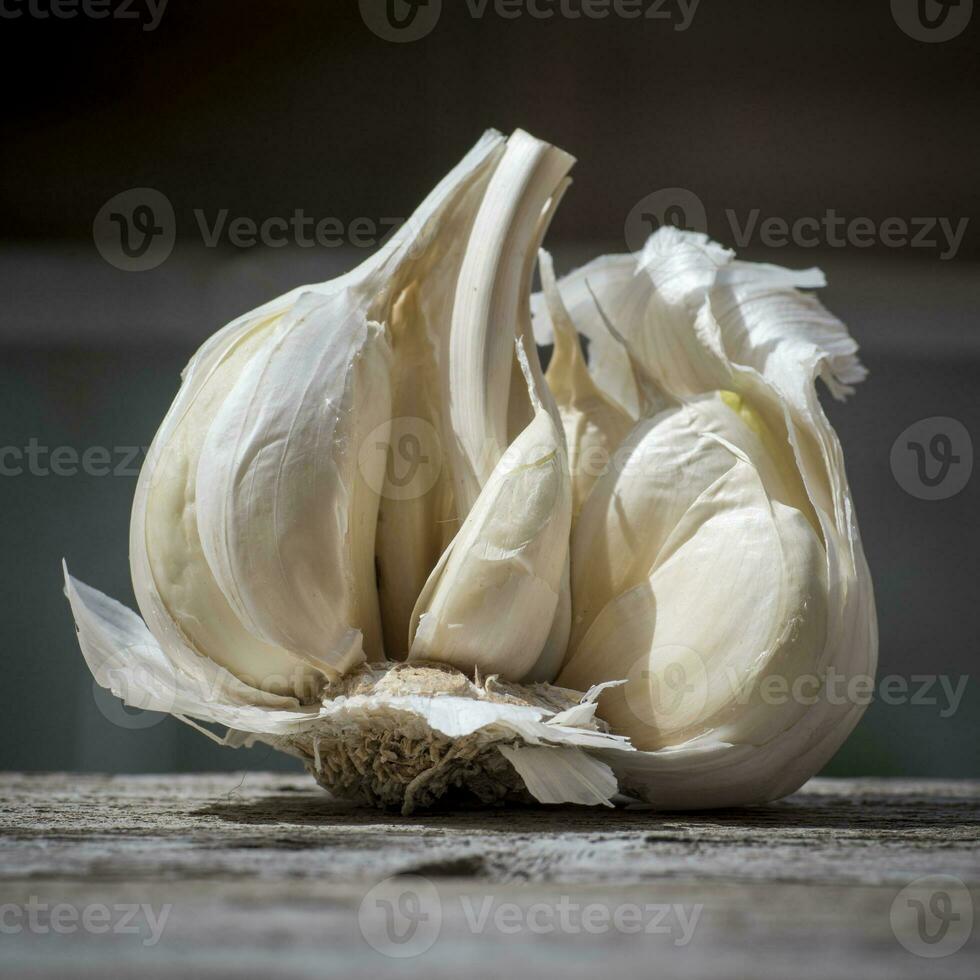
264, 875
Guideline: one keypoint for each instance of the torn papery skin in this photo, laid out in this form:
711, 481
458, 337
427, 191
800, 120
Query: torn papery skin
386, 734
274, 609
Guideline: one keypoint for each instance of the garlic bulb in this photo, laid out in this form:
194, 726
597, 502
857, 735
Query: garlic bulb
373, 533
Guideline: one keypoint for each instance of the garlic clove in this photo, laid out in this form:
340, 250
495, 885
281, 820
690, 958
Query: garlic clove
175, 587
286, 512
491, 602
733, 592
707, 322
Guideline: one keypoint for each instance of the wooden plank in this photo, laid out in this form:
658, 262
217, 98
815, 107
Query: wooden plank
257, 874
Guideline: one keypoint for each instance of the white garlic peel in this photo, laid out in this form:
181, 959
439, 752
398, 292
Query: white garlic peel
666, 525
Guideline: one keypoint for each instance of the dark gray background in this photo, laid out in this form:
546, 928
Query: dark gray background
793, 109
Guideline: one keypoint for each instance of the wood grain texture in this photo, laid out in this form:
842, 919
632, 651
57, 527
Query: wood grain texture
264, 875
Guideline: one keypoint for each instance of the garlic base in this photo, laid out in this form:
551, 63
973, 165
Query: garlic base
392, 757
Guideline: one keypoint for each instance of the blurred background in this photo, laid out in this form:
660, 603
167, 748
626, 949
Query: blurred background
146, 147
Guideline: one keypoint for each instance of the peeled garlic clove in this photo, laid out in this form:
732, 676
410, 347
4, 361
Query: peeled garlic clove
491, 601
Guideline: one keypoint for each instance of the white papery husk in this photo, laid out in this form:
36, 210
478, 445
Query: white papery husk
386, 734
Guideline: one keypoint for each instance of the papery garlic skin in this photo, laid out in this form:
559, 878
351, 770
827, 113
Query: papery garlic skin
730, 554
416, 519
286, 509
491, 308
175, 587
595, 425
